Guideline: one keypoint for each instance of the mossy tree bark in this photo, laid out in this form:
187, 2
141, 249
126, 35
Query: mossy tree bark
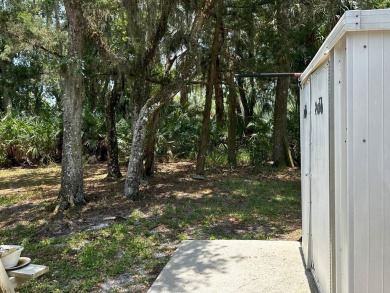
72, 191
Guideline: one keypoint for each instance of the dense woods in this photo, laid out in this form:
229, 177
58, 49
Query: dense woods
141, 81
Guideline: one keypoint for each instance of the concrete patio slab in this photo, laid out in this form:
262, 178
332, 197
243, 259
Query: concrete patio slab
237, 266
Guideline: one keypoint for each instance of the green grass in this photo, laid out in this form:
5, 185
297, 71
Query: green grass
11, 199
237, 207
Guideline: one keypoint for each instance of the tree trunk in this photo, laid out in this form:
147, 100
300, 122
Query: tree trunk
113, 171
244, 102
280, 122
72, 165
151, 144
219, 108
138, 97
7, 103
282, 87
205, 132
232, 124
184, 97
133, 175
166, 92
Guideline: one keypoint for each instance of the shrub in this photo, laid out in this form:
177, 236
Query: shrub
93, 134
29, 139
178, 131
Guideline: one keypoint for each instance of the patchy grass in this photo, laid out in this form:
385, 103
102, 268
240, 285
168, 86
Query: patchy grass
116, 245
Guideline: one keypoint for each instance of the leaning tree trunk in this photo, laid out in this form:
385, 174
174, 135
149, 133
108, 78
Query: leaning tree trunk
113, 171
133, 174
280, 122
166, 92
72, 191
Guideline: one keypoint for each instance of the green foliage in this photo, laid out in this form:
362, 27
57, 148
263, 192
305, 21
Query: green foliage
178, 131
29, 139
30, 45
259, 144
123, 129
93, 133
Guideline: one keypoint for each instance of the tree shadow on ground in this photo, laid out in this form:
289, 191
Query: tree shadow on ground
239, 204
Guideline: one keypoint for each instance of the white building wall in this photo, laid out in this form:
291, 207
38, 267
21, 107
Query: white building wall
368, 124
386, 162
360, 136
340, 168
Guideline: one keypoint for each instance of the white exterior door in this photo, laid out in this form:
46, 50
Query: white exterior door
319, 166
305, 113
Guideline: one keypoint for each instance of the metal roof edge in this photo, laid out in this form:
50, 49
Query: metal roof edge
352, 20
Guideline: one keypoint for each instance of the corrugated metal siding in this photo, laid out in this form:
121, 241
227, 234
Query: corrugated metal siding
320, 176
368, 149
386, 162
361, 210
358, 154
340, 150
360, 131
375, 160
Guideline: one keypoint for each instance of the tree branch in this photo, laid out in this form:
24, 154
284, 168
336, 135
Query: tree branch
31, 42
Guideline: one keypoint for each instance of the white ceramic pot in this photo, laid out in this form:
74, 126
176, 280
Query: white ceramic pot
11, 260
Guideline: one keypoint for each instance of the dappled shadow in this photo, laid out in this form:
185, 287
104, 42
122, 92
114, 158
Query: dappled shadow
174, 206
172, 187
233, 266
194, 261
27, 178
8, 219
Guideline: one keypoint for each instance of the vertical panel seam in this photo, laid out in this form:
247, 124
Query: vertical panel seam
383, 156
368, 158
350, 171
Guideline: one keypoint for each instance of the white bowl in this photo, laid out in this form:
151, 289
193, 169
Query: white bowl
11, 259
